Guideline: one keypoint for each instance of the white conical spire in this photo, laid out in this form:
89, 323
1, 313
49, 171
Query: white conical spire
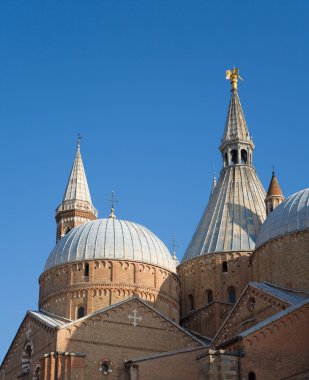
76, 206
77, 187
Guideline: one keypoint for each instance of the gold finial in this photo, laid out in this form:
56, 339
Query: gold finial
233, 76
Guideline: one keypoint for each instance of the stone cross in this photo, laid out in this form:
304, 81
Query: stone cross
28, 332
135, 317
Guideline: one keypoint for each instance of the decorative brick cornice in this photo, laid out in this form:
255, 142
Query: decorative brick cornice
74, 213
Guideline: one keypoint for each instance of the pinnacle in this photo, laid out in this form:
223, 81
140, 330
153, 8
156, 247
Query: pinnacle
274, 187
77, 187
236, 127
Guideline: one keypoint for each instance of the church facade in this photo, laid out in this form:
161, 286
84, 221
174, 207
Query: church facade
115, 303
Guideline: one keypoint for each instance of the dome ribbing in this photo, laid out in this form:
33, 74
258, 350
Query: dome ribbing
111, 239
290, 216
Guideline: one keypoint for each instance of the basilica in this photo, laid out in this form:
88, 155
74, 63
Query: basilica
114, 303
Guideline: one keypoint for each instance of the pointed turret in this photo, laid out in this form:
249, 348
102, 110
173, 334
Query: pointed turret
236, 207
236, 144
274, 194
76, 207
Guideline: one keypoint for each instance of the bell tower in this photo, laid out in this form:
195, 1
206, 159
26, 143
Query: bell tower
76, 206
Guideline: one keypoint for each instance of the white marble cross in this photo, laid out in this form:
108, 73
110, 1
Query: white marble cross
28, 332
135, 317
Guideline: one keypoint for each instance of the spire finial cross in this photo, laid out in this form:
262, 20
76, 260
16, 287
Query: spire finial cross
113, 201
79, 137
174, 244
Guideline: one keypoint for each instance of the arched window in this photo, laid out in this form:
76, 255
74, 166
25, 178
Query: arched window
80, 312
224, 267
231, 293
190, 302
244, 156
26, 357
68, 230
251, 376
86, 270
209, 295
234, 156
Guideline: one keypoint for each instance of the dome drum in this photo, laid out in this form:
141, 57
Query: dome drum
97, 284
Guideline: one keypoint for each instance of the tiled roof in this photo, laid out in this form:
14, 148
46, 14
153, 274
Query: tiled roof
274, 187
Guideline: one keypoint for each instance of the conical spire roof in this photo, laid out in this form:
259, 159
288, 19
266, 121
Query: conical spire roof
77, 187
236, 129
236, 209
274, 187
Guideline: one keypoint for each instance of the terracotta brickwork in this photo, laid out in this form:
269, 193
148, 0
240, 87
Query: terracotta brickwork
218, 365
284, 261
31, 342
212, 277
69, 219
253, 307
112, 335
278, 350
207, 320
166, 366
96, 284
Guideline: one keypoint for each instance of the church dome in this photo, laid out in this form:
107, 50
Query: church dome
290, 216
111, 239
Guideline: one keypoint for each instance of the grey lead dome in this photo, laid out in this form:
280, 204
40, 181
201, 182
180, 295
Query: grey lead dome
111, 239
290, 216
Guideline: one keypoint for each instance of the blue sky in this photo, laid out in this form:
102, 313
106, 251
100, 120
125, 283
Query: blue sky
144, 83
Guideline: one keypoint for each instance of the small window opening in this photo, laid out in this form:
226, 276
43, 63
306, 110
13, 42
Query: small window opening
234, 156
224, 267
251, 376
86, 270
210, 297
244, 156
190, 302
68, 230
231, 291
80, 312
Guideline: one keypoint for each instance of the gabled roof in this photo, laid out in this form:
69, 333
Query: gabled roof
77, 187
287, 295
289, 298
126, 301
274, 318
49, 319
